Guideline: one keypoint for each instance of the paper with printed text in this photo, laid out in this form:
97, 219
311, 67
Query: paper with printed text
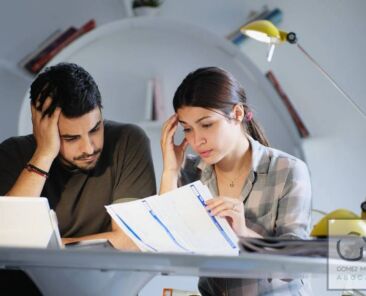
176, 222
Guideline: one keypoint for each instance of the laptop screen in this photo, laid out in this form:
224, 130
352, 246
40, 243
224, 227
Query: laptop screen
28, 222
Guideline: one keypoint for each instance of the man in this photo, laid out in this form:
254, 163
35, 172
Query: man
76, 159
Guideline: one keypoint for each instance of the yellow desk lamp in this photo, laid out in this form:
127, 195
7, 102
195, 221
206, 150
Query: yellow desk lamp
265, 31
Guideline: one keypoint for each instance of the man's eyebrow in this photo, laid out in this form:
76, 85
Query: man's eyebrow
75, 136
69, 136
197, 121
96, 126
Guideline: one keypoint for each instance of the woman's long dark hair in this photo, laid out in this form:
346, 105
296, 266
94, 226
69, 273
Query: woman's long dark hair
215, 88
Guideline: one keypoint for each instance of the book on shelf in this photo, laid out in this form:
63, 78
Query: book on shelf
301, 128
274, 15
35, 64
158, 100
177, 292
41, 47
149, 100
35, 61
154, 105
176, 222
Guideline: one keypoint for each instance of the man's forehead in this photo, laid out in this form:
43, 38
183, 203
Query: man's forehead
81, 124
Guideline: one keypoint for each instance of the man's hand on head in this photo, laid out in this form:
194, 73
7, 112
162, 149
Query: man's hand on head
45, 131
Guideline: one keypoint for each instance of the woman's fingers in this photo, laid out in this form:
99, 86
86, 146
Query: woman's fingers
167, 126
218, 210
230, 208
183, 146
171, 120
170, 135
218, 205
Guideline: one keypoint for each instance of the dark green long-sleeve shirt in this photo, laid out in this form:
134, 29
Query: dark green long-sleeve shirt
124, 170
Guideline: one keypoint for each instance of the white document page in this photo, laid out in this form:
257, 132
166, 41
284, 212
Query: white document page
176, 222
137, 222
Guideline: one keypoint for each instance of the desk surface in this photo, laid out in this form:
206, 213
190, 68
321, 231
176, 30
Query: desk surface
246, 265
111, 272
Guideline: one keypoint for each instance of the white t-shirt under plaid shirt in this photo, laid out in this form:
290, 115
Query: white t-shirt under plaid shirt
277, 203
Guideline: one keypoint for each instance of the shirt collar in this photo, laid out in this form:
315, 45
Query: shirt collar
260, 157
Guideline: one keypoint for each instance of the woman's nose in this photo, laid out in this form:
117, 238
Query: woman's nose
199, 139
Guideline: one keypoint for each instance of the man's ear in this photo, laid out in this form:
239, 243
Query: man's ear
238, 112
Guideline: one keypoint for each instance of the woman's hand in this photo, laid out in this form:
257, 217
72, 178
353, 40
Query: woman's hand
173, 155
232, 209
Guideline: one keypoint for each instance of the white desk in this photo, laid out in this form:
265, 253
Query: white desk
110, 272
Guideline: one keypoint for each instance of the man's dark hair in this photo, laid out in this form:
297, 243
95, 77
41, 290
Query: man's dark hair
71, 88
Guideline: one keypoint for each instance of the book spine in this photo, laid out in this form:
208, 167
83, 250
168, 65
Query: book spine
158, 103
149, 112
64, 40
167, 292
301, 128
50, 47
41, 47
176, 292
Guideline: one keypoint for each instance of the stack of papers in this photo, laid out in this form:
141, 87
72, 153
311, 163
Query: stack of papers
176, 222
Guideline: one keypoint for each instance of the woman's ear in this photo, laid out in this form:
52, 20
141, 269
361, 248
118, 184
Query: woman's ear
238, 112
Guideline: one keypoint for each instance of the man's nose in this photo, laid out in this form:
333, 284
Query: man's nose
87, 146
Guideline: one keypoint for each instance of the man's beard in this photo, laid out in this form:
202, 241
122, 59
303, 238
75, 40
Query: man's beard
72, 166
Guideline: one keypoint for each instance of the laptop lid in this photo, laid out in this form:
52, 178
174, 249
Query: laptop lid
28, 222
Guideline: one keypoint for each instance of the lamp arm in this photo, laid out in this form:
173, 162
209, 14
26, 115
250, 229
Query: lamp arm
335, 84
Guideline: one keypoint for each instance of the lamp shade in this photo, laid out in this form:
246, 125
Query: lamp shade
264, 31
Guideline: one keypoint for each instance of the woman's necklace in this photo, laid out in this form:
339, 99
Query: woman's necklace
232, 182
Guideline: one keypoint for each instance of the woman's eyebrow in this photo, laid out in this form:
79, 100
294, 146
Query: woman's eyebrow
197, 121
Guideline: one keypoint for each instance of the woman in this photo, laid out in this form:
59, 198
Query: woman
261, 191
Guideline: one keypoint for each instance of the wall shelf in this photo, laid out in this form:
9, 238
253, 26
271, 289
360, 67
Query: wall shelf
123, 55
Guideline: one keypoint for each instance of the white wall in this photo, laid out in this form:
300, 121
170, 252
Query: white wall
24, 25
331, 31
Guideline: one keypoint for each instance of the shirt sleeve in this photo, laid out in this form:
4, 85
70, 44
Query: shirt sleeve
11, 165
189, 172
135, 169
294, 206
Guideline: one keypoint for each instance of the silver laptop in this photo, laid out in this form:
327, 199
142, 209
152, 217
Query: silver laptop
28, 222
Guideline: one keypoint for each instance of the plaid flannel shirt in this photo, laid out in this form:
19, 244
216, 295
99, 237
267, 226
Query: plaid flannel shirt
277, 202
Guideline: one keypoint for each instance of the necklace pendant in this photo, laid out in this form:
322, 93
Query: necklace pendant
231, 184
